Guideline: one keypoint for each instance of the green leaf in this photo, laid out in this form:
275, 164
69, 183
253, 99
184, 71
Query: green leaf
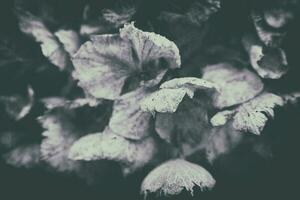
103, 64
174, 176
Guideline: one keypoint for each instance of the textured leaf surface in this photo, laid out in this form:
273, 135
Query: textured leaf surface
172, 92
253, 115
128, 120
174, 176
109, 146
235, 85
104, 63
59, 135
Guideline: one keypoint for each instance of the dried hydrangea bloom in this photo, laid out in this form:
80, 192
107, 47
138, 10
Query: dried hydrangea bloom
104, 64
107, 145
236, 85
174, 176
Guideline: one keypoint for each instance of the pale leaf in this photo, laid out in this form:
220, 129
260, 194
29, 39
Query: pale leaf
235, 85
132, 155
103, 64
128, 120
175, 176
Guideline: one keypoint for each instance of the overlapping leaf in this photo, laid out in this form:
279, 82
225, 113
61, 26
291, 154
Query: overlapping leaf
236, 85
132, 155
104, 64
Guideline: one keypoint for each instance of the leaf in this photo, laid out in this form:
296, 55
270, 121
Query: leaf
235, 85
252, 116
63, 125
103, 64
70, 40
59, 135
185, 127
51, 47
23, 156
132, 155
128, 120
172, 92
218, 141
222, 117
174, 176
119, 17
55, 102
270, 37
16, 106
269, 63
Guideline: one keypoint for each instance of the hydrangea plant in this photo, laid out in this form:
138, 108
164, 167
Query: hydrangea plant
152, 92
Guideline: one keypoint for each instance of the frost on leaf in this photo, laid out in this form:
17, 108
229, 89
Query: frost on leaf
128, 120
252, 116
17, 106
51, 47
235, 85
175, 176
23, 156
103, 64
131, 155
171, 93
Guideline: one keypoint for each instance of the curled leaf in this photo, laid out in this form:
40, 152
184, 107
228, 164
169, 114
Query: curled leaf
51, 47
132, 155
272, 38
174, 176
103, 64
16, 106
235, 85
268, 63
